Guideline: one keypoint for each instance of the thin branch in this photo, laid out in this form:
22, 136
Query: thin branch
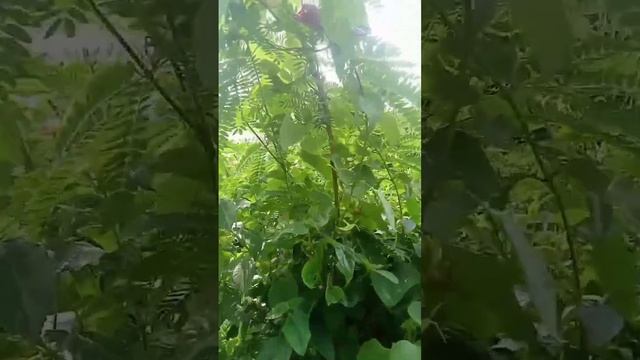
210, 147
548, 179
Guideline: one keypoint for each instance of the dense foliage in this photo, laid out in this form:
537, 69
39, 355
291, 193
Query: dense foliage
108, 193
531, 179
320, 204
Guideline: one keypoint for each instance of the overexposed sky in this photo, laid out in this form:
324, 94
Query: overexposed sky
397, 22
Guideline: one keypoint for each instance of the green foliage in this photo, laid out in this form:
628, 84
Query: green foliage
320, 189
530, 224
106, 233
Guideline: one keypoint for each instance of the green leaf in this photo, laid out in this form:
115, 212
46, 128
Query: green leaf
389, 127
547, 29
372, 105
226, 214
479, 295
69, 27
290, 132
404, 350
322, 341
27, 288
334, 295
318, 162
414, 312
78, 15
446, 214
346, 263
282, 289
176, 193
388, 275
388, 211
17, 32
615, 266
204, 35
601, 324
471, 162
275, 348
373, 350
80, 254
539, 282
312, 270
296, 331
391, 293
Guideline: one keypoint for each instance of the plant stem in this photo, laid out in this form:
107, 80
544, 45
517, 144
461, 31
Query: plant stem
548, 179
326, 115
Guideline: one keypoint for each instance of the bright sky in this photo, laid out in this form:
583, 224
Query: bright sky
397, 22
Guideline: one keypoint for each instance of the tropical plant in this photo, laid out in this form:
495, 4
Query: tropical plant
109, 186
531, 179
320, 192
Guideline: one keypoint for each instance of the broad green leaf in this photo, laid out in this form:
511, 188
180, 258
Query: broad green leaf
547, 29
615, 266
346, 263
373, 350
322, 341
27, 288
444, 216
478, 294
389, 127
540, 284
471, 162
601, 324
312, 270
319, 163
204, 30
80, 254
391, 293
388, 211
275, 348
389, 275
283, 289
334, 295
291, 133
414, 312
296, 331
404, 350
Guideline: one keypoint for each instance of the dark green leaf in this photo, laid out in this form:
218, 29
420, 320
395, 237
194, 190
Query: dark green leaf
601, 324
296, 331
27, 288
540, 284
